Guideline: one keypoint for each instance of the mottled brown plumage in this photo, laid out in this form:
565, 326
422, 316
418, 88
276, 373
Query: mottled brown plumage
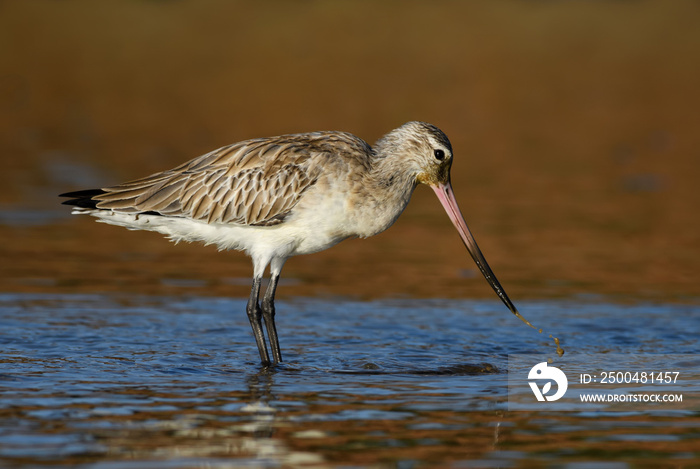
255, 182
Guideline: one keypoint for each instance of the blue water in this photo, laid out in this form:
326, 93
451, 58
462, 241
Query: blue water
118, 381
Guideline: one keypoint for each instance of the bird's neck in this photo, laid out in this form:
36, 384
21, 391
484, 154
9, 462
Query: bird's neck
388, 175
386, 191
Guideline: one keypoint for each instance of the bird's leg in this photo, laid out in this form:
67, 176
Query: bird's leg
268, 312
255, 317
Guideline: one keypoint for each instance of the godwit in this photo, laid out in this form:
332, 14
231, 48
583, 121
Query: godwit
283, 196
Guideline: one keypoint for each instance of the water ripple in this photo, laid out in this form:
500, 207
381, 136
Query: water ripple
150, 382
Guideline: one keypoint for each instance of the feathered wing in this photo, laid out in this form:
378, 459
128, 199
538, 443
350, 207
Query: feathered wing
256, 182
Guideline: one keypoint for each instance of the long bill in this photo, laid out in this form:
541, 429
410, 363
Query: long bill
447, 199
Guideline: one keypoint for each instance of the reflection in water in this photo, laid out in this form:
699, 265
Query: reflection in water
159, 382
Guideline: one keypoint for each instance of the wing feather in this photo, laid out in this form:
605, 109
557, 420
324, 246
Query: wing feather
255, 182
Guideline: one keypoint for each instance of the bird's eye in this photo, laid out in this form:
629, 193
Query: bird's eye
439, 154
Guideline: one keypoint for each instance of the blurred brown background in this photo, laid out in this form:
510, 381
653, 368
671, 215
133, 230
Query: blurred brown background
574, 126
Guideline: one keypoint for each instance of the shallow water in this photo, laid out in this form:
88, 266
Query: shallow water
116, 381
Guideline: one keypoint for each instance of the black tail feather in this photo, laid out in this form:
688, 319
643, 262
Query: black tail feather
82, 199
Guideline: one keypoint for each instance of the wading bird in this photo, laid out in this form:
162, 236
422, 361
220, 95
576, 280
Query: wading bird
283, 196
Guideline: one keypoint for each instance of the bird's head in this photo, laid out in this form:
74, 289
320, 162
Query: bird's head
423, 150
